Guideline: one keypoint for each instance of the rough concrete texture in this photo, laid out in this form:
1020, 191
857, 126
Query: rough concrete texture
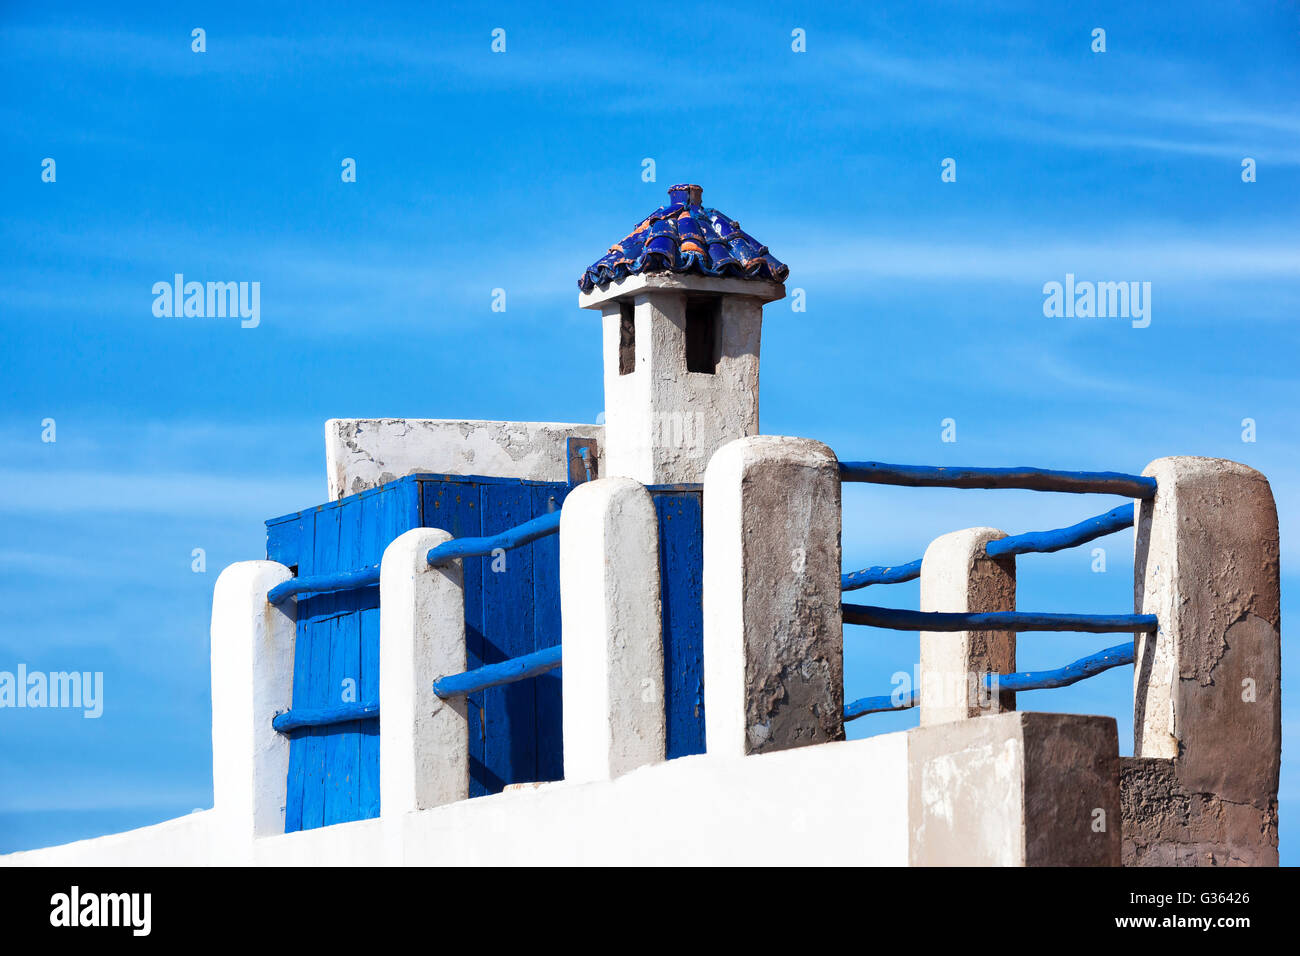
1167, 825
1016, 789
1207, 692
362, 453
613, 638
956, 575
424, 740
663, 422
773, 629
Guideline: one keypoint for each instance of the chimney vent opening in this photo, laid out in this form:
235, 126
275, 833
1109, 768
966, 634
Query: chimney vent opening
626, 339
703, 317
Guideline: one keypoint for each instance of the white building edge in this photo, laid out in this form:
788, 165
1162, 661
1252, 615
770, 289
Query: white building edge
778, 784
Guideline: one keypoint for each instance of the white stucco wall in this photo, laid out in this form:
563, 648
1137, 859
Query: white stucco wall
362, 453
838, 803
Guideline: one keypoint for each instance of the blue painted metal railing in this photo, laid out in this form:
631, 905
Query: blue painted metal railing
1032, 479
494, 675
336, 581
510, 538
887, 574
1045, 542
505, 672
1085, 667
899, 619
456, 548
876, 705
1030, 542
324, 716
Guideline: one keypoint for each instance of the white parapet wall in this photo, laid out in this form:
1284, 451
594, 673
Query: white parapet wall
363, 453
1004, 790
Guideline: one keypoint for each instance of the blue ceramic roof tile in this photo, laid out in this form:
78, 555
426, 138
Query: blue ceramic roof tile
686, 237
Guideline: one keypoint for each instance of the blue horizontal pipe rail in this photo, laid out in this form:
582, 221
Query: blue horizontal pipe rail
1084, 667
510, 538
324, 716
891, 574
1045, 542
337, 581
493, 675
1032, 479
877, 705
904, 620
1042, 542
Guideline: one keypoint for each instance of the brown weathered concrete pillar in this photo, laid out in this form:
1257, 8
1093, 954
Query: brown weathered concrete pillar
1202, 786
773, 628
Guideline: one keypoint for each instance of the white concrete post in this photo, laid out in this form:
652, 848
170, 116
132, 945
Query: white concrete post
1202, 787
1014, 789
252, 681
612, 630
423, 740
956, 575
773, 629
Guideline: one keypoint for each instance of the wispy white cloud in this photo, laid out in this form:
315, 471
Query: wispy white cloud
1037, 256
41, 491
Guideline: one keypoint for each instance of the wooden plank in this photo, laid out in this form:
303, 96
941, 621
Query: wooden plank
301, 544
284, 539
318, 630
301, 694
899, 619
319, 636
397, 510
358, 528
1033, 479
454, 507
681, 571
510, 745
340, 743
549, 717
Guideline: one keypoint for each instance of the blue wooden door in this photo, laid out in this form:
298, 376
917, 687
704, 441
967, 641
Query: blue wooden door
681, 572
512, 607
334, 770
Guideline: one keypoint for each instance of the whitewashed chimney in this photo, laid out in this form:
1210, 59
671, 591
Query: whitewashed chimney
681, 300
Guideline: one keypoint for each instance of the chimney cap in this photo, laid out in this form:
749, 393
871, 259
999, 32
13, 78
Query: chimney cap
682, 237
688, 193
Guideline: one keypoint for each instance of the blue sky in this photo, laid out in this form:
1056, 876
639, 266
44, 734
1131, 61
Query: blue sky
478, 170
